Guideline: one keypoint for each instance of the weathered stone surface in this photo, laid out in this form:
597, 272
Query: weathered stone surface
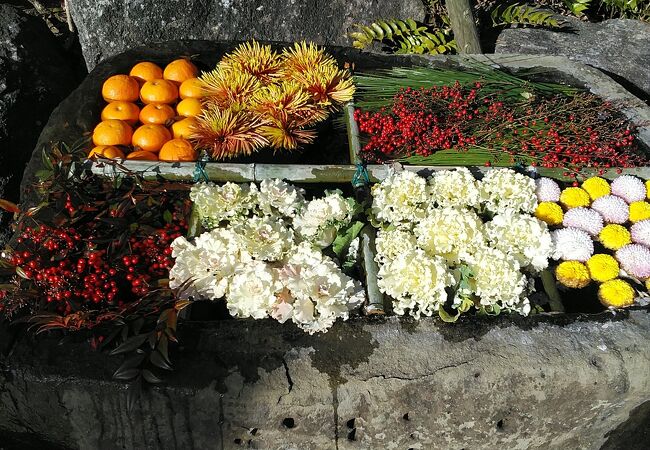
110, 27
528, 383
33, 80
618, 46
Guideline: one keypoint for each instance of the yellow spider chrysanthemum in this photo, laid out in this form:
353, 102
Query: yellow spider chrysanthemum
596, 187
303, 57
574, 197
327, 85
227, 133
616, 293
614, 236
228, 90
286, 132
255, 59
572, 274
639, 211
549, 212
602, 267
286, 98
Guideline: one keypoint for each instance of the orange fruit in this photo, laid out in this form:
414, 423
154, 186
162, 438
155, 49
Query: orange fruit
189, 107
191, 88
146, 71
107, 151
158, 91
112, 132
177, 150
184, 128
180, 70
150, 137
120, 88
141, 155
125, 111
157, 113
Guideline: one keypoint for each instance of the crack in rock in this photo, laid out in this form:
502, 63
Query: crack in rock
419, 377
289, 380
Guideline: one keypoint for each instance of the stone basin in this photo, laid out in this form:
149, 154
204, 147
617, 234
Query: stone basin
572, 381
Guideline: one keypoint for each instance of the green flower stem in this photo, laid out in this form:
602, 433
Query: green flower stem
375, 304
555, 299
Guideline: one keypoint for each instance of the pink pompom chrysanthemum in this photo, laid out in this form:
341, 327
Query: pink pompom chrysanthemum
612, 208
585, 219
629, 188
640, 232
547, 190
572, 244
635, 260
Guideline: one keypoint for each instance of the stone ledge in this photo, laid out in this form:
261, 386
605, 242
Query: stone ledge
508, 382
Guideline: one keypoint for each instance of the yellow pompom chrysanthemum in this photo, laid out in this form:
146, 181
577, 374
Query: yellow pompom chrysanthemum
549, 212
572, 274
614, 236
647, 189
602, 267
574, 197
616, 293
639, 211
596, 187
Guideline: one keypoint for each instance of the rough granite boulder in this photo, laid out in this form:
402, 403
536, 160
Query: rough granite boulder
109, 27
34, 78
620, 47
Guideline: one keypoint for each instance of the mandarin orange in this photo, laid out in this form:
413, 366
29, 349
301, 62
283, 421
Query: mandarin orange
112, 132
126, 111
141, 155
177, 150
159, 91
191, 88
184, 128
189, 107
150, 137
107, 151
146, 71
180, 70
120, 88
157, 113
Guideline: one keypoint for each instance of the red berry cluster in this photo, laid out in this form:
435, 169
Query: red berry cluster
543, 132
71, 270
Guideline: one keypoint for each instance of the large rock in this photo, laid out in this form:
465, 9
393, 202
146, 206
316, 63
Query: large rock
619, 46
112, 26
510, 382
34, 78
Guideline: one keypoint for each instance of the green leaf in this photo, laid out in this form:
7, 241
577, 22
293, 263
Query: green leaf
343, 239
167, 216
159, 361
446, 317
131, 344
47, 162
150, 377
126, 375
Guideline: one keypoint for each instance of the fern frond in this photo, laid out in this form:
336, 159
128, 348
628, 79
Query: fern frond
404, 36
523, 15
577, 7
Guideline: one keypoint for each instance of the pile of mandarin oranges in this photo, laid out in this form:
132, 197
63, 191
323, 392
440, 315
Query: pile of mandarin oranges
150, 113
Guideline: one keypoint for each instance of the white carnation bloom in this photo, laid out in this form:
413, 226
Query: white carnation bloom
503, 189
265, 238
207, 265
226, 202
252, 291
521, 236
416, 282
320, 218
277, 197
455, 188
496, 278
450, 232
393, 242
401, 197
321, 292
572, 244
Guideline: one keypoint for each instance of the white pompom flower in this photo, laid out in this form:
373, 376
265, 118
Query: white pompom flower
640, 232
547, 190
612, 208
635, 260
585, 219
629, 188
572, 244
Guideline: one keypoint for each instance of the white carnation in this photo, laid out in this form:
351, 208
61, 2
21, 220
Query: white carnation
265, 238
400, 198
320, 218
450, 232
503, 189
416, 282
393, 242
496, 278
455, 188
277, 197
216, 203
252, 291
523, 237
